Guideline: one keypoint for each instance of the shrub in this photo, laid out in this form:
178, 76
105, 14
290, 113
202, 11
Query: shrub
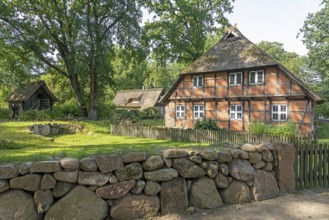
66, 110
259, 127
206, 124
34, 115
122, 115
150, 113
4, 113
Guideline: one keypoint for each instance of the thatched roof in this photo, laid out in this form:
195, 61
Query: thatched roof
235, 52
137, 98
24, 93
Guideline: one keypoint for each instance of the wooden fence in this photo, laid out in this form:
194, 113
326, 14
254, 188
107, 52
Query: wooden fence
201, 136
312, 165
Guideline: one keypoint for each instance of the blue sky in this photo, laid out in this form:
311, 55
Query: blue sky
273, 20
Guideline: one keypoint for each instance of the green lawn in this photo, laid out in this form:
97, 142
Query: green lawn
322, 132
18, 144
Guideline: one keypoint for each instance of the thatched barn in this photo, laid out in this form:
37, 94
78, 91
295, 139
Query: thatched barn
35, 96
236, 83
139, 99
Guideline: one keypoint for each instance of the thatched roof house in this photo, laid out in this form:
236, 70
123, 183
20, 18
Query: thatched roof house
36, 96
236, 83
138, 99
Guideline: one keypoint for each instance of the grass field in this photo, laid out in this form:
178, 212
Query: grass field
18, 144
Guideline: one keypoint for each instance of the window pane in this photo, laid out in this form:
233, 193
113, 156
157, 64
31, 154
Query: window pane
232, 107
275, 108
260, 77
201, 114
252, 77
183, 114
239, 115
195, 83
183, 108
275, 116
177, 114
196, 108
232, 115
200, 81
196, 115
201, 108
238, 78
239, 108
283, 108
283, 117
177, 108
232, 78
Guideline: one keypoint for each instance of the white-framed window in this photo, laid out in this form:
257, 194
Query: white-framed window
256, 77
235, 78
198, 111
236, 112
180, 111
197, 81
279, 112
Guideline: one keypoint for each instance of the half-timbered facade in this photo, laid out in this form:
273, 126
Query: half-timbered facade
235, 83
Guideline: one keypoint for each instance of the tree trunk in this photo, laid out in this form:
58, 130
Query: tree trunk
78, 94
93, 96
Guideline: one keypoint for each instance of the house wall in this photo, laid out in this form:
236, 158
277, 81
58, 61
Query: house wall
217, 95
32, 100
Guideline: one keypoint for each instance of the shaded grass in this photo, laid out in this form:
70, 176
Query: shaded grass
18, 144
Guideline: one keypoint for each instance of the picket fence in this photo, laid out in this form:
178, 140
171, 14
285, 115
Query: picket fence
201, 136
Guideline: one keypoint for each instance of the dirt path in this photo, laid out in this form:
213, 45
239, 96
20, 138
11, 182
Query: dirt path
304, 204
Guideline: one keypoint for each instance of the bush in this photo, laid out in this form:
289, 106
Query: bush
150, 113
66, 110
4, 113
34, 115
121, 115
206, 124
273, 129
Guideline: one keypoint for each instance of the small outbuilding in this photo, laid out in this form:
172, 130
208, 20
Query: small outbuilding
139, 99
35, 96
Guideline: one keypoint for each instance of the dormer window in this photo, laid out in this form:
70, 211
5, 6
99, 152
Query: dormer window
135, 98
197, 81
133, 101
256, 77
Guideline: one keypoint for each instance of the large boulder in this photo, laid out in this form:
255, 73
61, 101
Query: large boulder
174, 153
45, 167
173, 196
221, 181
135, 206
264, 187
237, 192
8, 171
284, 171
115, 191
80, 203
161, 175
212, 169
44, 130
17, 204
254, 157
108, 163
241, 170
224, 157
208, 155
153, 163
133, 171
30, 182
187, 168
204, 194
43, 199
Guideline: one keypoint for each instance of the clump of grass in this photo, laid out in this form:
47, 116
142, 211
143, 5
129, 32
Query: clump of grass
9, 145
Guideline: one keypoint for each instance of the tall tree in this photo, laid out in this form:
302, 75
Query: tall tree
74, 38
180, 28
315, 33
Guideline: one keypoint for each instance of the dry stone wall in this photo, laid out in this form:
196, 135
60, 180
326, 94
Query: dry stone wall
135, 185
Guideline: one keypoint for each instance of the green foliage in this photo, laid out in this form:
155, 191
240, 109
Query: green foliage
34, 115
150, 113
123, 115
4, 113
180, 28
206, 124
258, 127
